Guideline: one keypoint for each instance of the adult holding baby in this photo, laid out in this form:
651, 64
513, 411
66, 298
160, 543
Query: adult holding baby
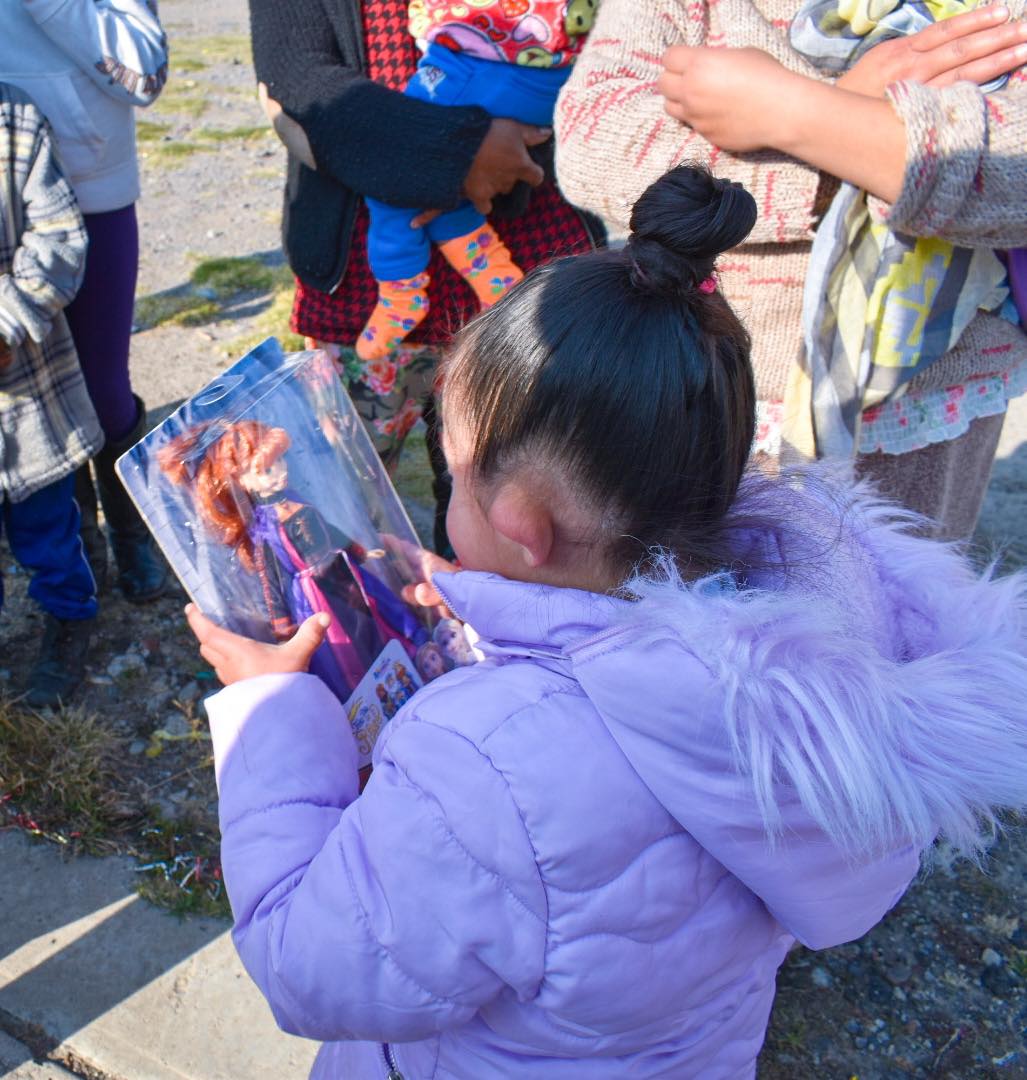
332, 75
855, 291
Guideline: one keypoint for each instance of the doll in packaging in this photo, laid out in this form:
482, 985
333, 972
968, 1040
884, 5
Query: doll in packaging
304, 564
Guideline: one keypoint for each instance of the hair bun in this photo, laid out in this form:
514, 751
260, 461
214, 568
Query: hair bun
681, 223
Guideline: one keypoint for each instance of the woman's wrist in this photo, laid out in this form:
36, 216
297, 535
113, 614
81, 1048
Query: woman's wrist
857, 138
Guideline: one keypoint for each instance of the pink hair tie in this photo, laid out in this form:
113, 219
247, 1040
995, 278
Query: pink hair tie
708, 285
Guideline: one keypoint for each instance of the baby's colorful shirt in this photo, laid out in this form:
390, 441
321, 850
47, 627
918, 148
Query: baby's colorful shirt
533, 33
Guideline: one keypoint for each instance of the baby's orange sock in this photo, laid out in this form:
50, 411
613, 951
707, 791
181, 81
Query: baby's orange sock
401, 306
484, 262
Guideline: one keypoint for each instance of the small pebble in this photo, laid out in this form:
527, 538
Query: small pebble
999, 981
879, 992
176, 724
126, 663
898, 973
821, 977
136, 747
990, 958
189, 693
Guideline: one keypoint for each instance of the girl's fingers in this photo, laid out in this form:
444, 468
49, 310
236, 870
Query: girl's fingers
213, 656
200, 625
307, 640
212, 636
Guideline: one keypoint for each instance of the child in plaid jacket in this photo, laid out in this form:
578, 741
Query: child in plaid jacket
47, 423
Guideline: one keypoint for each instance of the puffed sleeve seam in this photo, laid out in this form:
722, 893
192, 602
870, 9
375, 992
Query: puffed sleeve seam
365, 921
280, 804
443, 821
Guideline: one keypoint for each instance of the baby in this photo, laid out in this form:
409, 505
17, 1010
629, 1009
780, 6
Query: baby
510, 58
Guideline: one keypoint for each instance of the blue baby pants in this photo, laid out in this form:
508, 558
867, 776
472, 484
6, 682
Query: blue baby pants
43, 534
509, 91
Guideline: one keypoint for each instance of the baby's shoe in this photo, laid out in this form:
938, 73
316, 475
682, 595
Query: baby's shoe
61, 664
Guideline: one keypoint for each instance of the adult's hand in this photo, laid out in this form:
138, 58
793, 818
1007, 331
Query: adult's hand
743, 99
502, 160
977, 46
718, 93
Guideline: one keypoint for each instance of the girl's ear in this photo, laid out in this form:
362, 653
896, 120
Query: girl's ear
517, 516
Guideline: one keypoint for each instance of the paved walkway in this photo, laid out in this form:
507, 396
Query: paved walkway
99, 981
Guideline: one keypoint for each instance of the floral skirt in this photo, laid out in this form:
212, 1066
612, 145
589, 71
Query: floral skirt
388, 394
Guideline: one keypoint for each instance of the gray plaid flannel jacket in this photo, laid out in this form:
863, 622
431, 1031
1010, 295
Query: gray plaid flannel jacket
47, 423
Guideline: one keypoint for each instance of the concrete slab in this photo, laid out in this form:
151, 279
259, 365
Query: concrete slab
16, 1063
99, 980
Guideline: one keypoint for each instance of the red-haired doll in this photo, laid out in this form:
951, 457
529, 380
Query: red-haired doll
238, 478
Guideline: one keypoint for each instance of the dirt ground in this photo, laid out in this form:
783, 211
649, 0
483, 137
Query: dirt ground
938, 990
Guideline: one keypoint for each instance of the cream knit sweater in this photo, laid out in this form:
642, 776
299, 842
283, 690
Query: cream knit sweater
965, 177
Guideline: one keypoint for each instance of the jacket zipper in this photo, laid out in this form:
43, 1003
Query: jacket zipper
390, 1063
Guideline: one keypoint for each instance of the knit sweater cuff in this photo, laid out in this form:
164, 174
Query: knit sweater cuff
946, 134
432, 146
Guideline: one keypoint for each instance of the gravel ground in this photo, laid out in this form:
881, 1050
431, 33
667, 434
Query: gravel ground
938, 990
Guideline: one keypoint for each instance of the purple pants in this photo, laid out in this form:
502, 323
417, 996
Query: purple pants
100, 317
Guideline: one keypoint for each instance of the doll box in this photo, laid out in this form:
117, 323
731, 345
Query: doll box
269, 502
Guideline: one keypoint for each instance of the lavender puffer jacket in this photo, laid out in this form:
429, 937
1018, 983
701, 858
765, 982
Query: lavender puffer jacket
589, 854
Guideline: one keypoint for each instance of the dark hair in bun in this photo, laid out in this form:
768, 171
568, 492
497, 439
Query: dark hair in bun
617, 369
681, 224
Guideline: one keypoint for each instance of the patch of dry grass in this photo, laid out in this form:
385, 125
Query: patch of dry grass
60, 776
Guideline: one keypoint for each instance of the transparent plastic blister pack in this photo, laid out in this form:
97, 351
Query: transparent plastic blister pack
269, 502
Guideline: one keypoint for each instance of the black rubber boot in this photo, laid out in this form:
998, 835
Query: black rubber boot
93, 540
142, 572
61, 663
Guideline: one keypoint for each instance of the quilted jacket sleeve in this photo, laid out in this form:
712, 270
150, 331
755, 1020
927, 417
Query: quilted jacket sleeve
389, 916
614, 138
119, 44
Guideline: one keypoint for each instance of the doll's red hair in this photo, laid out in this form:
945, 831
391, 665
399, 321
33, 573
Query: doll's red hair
224, 504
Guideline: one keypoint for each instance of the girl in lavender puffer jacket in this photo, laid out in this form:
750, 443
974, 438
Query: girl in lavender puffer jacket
718, 713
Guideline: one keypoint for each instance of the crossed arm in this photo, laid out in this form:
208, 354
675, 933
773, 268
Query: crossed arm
648, 92
847, 129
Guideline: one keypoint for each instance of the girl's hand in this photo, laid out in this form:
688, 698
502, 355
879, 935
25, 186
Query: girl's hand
424, 563
715, 91
234, 657
977, 46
